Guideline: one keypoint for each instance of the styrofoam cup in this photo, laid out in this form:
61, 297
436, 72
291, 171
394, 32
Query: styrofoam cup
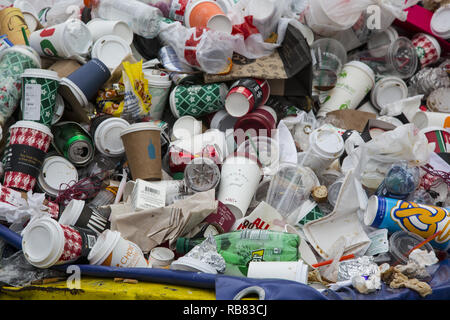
101, 27
287, 270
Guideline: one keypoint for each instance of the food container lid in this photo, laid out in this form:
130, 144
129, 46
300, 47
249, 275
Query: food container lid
327, 142
111, 50
103, 246
72, 212
440, 22
388, 90
107, 136
57, 172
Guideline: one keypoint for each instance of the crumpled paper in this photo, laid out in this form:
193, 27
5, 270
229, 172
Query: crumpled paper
152, 227
395, 279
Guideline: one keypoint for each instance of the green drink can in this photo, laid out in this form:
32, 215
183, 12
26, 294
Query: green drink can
73, 142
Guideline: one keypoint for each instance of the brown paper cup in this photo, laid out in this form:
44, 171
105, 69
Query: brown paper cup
11, 23
65, 67
142, 142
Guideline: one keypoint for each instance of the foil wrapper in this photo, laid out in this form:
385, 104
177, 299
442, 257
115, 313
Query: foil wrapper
364, 266
207, 252
427, 80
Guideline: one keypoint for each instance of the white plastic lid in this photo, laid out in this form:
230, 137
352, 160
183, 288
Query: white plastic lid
104, 245
327, 143
139, 127
72, 212
237, 105
440, 22
59, 109
33, 125
156, 77
420, 120
111, 50
40, 73
43, 242
56, 171
72, 93
389, 90
123, 30
191, 264
186, 127
107, 136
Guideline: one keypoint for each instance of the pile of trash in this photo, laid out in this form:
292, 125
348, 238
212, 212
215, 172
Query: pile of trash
305, 140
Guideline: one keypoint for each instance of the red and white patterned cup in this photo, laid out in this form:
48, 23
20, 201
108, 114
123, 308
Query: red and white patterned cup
245, 95
28, 145
47, 243
427, 47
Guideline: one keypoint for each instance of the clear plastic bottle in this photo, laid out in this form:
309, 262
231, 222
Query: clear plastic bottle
143, 19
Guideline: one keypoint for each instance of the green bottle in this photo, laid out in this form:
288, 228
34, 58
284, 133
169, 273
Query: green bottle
239, 248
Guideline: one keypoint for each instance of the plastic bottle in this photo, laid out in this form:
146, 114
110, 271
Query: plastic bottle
143, 19
238, 248
400, 181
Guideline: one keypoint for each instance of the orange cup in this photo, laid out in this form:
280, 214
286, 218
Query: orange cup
207, 14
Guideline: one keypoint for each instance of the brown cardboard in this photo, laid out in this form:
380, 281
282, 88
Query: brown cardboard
350, 119
136, 146
64, 67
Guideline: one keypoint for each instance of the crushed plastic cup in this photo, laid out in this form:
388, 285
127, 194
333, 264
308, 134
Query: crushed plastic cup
287, 270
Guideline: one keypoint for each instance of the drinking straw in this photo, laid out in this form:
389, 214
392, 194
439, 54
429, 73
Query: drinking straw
324, 263
25, 36
423, 243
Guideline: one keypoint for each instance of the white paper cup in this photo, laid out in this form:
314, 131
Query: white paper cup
186, 127
114, 251
56, 173
388, 90
368, 107
161, 257
101, 27
287, 270
354, 82
159, 88
66, 40
111, 50
240, 178
424, 120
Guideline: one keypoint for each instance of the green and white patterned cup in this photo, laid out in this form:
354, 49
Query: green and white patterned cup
197, 100
39, 92
13, 62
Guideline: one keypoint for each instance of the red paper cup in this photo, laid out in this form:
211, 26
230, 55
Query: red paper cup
245, 95
223, 219
29, 143
427, 47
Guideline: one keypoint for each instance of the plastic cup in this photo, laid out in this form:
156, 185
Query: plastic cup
353, 84
427, 119
428, 49
114, 251
240, 177
111, 50
186, 127
287, 270
245, 95
159, 85
440, 22
39, 92
388, 90
100, 27
29, 142
206, 14
401, 242
325, 146
379, 42
78, 214
57, 174
397, 59
329, 56
65, 40
47, 243
13, 24
142, 143
106, 133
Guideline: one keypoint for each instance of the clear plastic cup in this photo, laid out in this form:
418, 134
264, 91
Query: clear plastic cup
398, 58
329, 56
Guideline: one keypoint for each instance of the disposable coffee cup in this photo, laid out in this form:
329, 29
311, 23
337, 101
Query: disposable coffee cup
82, 85
65, 67
260, 122
47, 243
39, 92
222, 121
78, 214
206, 14
111, 50
57, 174
428, 48
223, 219
245, 95
440, 22
100, 27
161, 257
159, 88
114, 251
354, 83
107, 136
424, 120
388, 90
28, 143
13, 24
325, 146
240, 177
142, 142
186, 127
287, 270
70, 39
58, 112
